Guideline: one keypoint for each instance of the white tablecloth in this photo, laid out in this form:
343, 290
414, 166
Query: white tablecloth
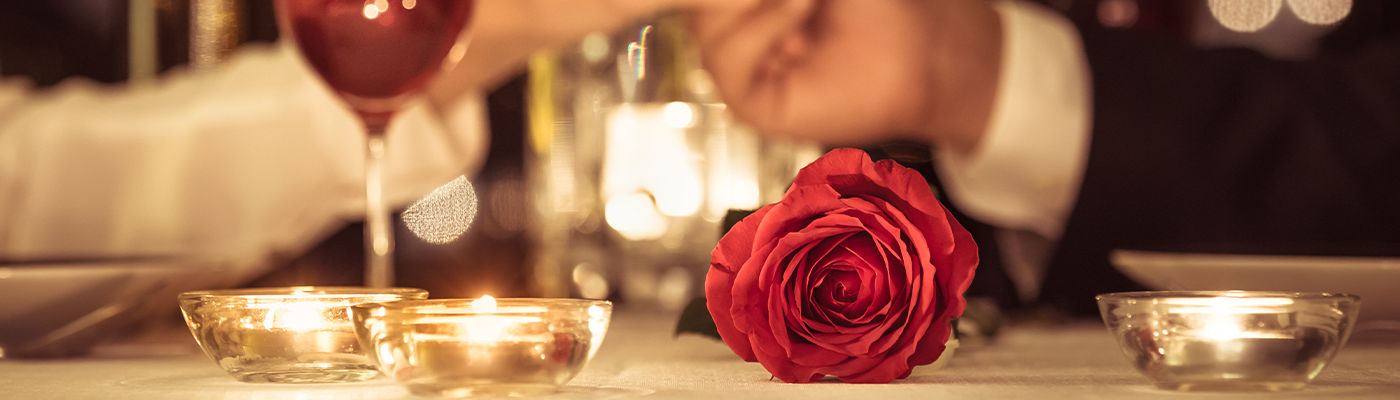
641, 358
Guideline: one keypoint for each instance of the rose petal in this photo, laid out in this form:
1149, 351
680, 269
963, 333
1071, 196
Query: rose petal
749, 306
860, 337
718, 286
780, 365
836, 162
797, 209
809, 355
837, 289
777, 271
955, 281
834, 320
889, 368
870, 322
794, 288
848, 316
872, 267
737, 245
853, 366
921, 299
733, 250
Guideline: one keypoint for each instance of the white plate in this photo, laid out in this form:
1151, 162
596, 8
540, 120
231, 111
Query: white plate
63, 308
1375, 279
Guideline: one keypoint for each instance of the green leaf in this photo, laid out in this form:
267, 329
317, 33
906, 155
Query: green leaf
696, 319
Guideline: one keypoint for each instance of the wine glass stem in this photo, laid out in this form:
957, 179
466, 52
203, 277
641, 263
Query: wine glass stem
379, 238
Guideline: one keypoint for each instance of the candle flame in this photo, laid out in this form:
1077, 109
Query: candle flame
486, 304
1229, 305
295, 316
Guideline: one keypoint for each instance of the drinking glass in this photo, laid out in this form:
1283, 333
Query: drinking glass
375, 55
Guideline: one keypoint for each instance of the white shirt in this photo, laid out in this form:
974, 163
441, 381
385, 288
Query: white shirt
253, 160
1024, 175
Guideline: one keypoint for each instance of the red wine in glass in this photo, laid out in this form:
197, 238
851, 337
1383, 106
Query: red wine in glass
375, 54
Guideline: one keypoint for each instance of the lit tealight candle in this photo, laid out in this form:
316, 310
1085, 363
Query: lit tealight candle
299, 334
460, 348
1229, 340
299, 326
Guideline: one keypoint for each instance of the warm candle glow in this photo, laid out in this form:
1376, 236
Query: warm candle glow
678, 115
486, 304
1227, 305
635, 217
297, 316
484, 347
491, 328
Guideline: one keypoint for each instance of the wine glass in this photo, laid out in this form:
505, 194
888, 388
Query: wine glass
375, 54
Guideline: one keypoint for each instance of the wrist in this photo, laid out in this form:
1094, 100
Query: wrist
964, 63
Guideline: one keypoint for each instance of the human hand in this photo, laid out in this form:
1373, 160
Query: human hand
857, 71
505, 33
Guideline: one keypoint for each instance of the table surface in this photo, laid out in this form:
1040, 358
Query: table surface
641, 358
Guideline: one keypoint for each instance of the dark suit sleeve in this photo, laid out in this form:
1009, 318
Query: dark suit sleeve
1230, 151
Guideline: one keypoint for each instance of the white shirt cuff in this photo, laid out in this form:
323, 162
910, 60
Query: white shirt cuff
1026, 171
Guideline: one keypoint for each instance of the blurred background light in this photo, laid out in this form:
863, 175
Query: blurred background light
1320, 12
635, 217
673, 289
445, 214
679, 115
590, 282
1118, 13
1245, 15
594, 47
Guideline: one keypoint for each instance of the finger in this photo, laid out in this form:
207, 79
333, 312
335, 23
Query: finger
711, 24
738, 53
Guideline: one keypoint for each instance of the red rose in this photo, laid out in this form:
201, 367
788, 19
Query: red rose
857, 272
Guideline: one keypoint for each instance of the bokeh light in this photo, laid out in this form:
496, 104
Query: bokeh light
594, 47
1118, 13
445, 214
678, 115
635, 217
1245, 15
1320, 12
674, 287
590, 282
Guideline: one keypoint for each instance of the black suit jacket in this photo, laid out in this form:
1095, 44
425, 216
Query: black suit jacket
1230, 151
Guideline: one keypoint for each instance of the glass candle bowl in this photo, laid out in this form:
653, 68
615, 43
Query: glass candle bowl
285, 335
483, 347
1229, 340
